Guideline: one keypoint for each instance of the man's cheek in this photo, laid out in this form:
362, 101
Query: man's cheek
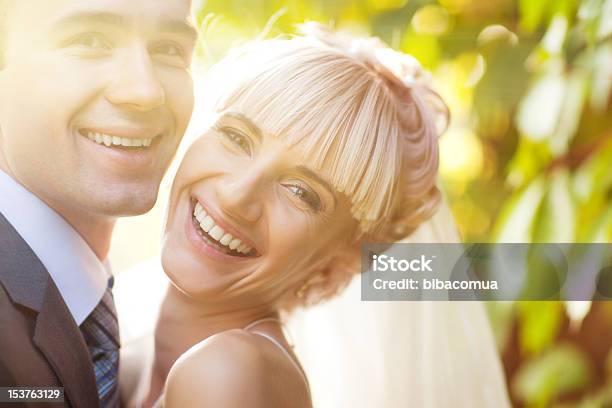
180, 99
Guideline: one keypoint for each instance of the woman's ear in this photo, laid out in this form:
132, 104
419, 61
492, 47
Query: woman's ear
329, 279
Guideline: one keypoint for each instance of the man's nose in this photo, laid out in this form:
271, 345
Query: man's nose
137, 85
240, 195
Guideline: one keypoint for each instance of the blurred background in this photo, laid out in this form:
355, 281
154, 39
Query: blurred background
527, 157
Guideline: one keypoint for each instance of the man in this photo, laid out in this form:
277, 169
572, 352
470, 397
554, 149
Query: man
95, 97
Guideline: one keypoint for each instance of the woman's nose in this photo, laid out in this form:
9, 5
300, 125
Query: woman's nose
241, 195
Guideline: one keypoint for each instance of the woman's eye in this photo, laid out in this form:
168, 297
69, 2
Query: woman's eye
306, 195
238, 139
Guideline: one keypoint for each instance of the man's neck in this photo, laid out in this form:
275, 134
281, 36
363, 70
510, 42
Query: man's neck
97, 231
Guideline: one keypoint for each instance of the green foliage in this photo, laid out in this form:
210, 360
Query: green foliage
540, 324
562, 369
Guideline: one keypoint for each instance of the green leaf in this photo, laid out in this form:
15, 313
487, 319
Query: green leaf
559, 371
556, 221
602, 231
517, 216
602, 80
540, 322
594, 176
571, 111
533, 13
529, 160
541, 108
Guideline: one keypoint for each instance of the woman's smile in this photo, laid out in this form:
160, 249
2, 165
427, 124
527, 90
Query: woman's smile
214, 237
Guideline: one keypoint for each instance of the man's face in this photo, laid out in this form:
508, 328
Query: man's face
95, 97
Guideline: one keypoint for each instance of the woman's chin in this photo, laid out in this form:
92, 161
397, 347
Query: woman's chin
190, 276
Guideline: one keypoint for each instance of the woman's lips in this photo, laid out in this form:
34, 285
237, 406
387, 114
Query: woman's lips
220, 230
208, 245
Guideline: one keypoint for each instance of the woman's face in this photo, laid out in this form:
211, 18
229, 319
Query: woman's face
248, 218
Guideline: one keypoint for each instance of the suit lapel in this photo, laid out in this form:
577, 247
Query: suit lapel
60, 340
56, 334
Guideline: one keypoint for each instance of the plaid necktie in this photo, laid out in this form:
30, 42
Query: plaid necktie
101, 333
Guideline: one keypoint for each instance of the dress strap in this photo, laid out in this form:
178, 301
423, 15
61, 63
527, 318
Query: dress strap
278, 344
264, 320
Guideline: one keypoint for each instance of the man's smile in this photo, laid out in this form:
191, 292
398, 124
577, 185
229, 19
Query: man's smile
109, 140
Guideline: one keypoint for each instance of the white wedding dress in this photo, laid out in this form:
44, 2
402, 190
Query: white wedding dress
367, 354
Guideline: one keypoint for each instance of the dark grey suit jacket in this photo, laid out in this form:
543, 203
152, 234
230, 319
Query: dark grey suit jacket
40, 343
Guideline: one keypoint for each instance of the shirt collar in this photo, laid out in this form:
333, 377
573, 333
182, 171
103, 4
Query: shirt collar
76, 271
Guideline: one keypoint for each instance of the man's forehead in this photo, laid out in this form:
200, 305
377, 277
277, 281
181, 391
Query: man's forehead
152, 11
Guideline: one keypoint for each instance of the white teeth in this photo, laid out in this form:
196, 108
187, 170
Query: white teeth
207, 224
217, 233
235, 243
109, 140
198, 210
226, 239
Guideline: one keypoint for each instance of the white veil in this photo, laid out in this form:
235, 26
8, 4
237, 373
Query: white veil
400, 354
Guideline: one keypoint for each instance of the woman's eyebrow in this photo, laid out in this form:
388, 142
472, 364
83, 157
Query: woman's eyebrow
313, 175
253, 128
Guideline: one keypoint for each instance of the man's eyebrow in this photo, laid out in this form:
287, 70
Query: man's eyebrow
181, 27
84, 18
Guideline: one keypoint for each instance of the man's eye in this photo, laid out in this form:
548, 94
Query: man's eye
171, 54
168, 49
92, 41
238, 139
306, 195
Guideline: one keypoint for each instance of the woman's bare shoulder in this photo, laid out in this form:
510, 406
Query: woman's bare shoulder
230, 368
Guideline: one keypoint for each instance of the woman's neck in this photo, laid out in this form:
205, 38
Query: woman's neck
183, 323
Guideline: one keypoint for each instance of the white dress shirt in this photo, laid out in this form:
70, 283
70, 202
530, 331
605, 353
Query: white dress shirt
77, 272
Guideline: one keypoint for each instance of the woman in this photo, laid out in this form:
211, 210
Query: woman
320, 143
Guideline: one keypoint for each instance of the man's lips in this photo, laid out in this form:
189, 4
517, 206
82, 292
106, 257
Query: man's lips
122, 155
118, 138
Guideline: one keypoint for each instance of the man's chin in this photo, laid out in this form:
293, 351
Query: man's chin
130, 205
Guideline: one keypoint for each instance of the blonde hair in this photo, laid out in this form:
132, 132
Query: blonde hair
357, 109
